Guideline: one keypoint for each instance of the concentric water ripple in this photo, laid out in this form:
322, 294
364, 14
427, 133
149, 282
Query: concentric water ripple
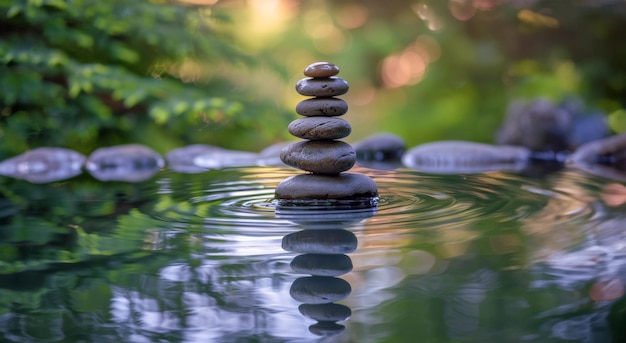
238, 203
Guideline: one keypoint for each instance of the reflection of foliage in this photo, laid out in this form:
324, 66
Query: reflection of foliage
93, 70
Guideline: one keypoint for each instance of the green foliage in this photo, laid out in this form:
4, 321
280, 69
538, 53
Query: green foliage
86, 73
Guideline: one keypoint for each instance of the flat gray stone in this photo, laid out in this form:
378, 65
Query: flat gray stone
328, 107
322, 264
320, 157
42, 165
380, 147
319, 289
322, 241
325, 312
324, 187
317, 128
129, 162
321, 69
458, 157
325, 87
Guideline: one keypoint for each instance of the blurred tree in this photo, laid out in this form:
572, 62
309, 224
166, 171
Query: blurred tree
86, 73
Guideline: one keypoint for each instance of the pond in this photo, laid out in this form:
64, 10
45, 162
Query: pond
492, 257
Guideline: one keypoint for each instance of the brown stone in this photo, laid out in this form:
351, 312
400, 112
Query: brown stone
316, 128
328, 107
325, 87
321, 69
321, 187
320, 157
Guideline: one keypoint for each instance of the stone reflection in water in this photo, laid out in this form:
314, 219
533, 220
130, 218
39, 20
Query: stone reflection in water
323, 244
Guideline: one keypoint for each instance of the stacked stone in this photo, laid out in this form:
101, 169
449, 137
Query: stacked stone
321, 152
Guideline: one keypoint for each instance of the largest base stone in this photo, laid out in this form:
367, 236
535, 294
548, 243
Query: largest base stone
311, 187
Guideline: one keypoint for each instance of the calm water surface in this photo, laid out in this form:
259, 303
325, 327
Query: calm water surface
492, 257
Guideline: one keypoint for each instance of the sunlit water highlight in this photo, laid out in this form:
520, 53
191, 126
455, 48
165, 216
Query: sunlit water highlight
473, 257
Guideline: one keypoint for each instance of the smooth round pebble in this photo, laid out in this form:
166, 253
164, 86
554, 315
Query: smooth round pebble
326, 87
322, 264
319, 289
328, 107
319, 187
321, 69
320, 157
325, 312
320, 241
316, 128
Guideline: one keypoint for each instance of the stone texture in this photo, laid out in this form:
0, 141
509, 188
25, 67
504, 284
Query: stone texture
322, 241
328, 107
318, 128
322, 264
455, 157
311, 186
42, 165
325, 312
129, 162
326, 87
320, 157
321, 69
319, 289
380, 147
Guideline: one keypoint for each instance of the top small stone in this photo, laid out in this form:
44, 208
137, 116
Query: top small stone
321, 69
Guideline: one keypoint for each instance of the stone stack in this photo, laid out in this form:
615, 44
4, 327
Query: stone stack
322, 153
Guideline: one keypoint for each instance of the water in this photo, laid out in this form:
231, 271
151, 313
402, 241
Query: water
488, 257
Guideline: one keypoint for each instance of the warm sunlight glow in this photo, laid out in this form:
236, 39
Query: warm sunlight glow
267, 18
462, 9
408, 67
352, 16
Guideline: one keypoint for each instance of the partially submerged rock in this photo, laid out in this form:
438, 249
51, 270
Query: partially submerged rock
382, 151
46, 164
457, 157
327, 187
605, 157
131, 163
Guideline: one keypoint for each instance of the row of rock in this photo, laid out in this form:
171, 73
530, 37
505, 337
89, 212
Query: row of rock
134, 163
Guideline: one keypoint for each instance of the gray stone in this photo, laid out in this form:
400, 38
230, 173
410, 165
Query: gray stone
326, 329
380, 147
42, 165
325, 312
605, 157
458, 157
323, 241
320, 157
318, 128
328, 107
311, 186
606, 151
319, 289
321, 69
322, 264
131, 162
326, 87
